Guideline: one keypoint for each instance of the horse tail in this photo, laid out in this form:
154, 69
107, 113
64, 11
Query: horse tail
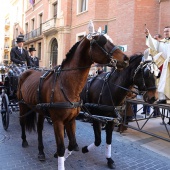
31, 121
27, 115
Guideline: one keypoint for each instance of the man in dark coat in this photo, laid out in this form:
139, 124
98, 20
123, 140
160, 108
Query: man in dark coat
19, 55
34, 59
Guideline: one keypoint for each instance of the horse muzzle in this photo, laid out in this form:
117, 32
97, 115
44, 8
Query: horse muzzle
149, 97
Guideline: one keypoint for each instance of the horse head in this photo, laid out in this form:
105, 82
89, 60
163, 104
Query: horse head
145, 78
103, 51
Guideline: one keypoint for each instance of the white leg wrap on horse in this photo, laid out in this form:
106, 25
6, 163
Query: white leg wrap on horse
108, 151
91, 147
67, 153
61, 163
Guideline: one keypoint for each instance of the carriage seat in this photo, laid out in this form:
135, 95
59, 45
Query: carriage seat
17, 69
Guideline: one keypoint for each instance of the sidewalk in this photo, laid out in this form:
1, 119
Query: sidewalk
154, 144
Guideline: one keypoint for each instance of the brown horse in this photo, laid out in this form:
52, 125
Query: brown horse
107, 90
59, 89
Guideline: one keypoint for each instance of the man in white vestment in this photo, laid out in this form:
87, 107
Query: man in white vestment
163, 60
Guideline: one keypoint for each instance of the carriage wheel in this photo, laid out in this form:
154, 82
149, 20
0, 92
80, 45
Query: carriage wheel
5, 111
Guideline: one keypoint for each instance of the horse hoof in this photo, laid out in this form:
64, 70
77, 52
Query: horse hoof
56, 155
41, 157
111, 163
76, 148
24, 144
85, 150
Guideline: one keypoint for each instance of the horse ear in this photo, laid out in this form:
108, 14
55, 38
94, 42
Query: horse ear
102, 40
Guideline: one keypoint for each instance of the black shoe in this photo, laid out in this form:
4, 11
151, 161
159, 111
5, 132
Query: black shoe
147, 114
143, 113
161, 102
162, 123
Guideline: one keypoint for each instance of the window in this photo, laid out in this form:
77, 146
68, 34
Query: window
6, 56
54, 53
16, 32
55, 10
39, 51
80, 36
40, 23
82, 5
26, 28
32, 24
40, 19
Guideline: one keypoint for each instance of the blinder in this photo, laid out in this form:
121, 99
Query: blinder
146, 72
146, 69
100, 43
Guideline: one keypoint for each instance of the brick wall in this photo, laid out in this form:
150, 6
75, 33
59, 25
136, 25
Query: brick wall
164, 15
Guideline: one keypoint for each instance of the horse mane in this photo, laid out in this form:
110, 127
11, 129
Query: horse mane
136, 56
71, 52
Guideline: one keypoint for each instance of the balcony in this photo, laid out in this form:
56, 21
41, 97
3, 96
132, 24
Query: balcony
7, 24
6, 48
49, 27
34, 35
6, 36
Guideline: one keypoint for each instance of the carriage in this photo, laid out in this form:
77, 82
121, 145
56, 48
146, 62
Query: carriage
8, 88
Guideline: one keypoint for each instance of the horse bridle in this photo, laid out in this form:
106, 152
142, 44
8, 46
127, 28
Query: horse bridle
113, 61
141, 68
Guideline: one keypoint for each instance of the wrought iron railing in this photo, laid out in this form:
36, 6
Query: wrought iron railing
33, 34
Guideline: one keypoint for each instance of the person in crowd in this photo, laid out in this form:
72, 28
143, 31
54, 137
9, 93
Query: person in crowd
18, 54
34, 59
146, 110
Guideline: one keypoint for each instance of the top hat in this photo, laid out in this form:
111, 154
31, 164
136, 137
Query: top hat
20, 39
32, 49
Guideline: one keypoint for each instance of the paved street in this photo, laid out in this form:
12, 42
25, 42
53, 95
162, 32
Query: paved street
127, 151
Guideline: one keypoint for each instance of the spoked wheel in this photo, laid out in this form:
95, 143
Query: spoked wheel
5, 111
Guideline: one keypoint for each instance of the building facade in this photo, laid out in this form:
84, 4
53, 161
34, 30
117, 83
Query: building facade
54, 26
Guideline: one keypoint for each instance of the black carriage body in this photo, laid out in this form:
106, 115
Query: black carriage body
9, 101
10, 86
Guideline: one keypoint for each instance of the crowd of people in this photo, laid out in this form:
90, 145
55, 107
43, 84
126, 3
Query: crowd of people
157, 44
